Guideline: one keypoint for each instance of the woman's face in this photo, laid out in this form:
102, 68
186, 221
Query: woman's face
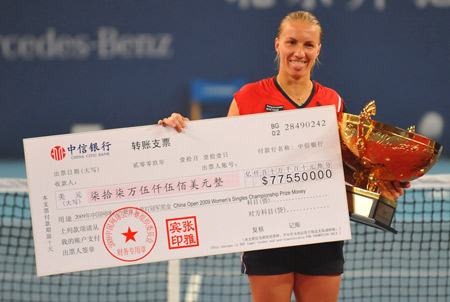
298, 47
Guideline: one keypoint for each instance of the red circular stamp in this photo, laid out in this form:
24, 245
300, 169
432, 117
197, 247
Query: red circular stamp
129, 234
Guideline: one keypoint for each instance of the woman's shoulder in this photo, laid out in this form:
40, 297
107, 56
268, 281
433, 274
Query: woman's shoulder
325, 90
253, 97
327, 96
264, 84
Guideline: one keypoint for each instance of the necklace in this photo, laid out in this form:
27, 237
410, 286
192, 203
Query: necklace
298, 98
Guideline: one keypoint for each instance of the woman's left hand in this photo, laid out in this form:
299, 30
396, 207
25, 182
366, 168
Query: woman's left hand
393, 189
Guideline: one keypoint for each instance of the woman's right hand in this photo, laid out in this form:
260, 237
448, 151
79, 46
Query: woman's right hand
176, 121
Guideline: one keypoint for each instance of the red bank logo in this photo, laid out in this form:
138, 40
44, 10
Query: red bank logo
58, 153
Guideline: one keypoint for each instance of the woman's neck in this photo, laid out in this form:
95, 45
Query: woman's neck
297, 89
293, 85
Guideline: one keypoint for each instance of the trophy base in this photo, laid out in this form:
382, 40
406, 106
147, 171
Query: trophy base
370, 208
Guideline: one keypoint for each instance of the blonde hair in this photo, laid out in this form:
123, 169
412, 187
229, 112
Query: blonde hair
300, 16
303, 16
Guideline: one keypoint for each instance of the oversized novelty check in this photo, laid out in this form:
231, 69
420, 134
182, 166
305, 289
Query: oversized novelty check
145, 194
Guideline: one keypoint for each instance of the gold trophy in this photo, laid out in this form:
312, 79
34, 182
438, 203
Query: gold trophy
380, 152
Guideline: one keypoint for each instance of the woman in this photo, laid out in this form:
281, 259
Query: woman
311, 272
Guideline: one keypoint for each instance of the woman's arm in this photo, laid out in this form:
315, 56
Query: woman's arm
234, 110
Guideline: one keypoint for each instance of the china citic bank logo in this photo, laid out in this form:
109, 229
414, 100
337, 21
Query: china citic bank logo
58, 153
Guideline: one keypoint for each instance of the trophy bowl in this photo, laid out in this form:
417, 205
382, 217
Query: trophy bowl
379, 152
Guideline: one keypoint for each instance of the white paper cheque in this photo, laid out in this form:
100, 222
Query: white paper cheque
146, 194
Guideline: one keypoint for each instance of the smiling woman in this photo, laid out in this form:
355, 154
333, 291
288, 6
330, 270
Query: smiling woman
298, 45
311, 272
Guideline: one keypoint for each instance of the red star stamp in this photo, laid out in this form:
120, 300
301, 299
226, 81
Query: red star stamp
129, 234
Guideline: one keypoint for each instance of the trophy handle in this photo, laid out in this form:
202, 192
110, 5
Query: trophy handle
364, 116
361, 143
